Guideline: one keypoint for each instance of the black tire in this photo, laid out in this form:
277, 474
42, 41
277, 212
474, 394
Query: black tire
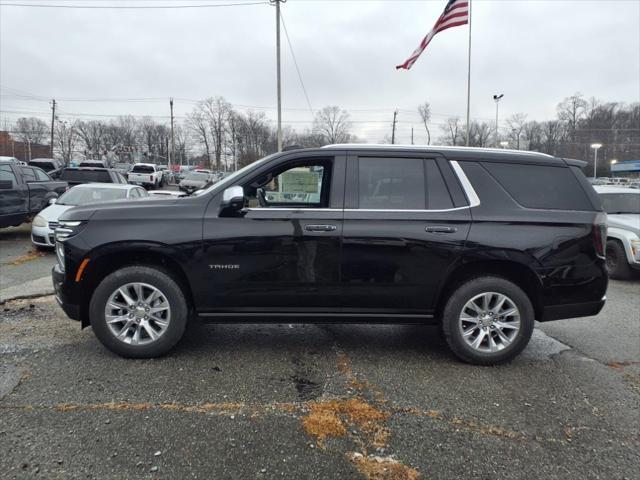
468, 290
617, 266
158, 279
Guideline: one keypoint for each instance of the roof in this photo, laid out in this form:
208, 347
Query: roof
113, 186
457, 151
614, 189
145, 164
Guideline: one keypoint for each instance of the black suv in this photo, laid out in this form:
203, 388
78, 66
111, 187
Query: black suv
76, 176
479, 241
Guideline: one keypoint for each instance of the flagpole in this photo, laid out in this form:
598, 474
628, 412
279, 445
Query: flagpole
469, 78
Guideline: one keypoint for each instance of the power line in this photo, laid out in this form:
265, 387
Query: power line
295, 62
130, 7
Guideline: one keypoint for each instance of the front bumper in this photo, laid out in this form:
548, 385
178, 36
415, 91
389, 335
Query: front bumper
43, 236
64, 295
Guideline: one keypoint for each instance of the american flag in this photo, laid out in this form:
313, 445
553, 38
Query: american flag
455, 13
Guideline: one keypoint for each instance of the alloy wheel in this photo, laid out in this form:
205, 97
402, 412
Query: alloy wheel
489, 322
137, 313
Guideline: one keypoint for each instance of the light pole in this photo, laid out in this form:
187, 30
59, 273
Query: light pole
595, 147
497, 99
613, 162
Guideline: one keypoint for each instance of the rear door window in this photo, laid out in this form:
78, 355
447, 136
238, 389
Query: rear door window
7, 176
391, 183
541, 186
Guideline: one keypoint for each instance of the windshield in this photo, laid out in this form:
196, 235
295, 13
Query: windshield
82, 196
621, 203
203, 177
142, 169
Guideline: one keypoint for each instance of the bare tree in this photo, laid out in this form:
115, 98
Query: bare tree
479, 133
197, 123
571, 110
332, 124
31, 131
425, 114
516, 124
92, 134
66, 139
216, 112
452, 132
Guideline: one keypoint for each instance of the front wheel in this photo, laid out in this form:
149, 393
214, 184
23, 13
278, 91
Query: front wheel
487, 321
138, 312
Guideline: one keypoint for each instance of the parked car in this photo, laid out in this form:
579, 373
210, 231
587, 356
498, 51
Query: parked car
166, 194
94, 164
51, 166
79, 175
24, 191
635, 185
11, 160
622, 205
480, 241
195, 180
146, 174
45, 223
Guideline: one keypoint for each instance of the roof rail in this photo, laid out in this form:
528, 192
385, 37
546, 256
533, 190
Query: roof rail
365, 146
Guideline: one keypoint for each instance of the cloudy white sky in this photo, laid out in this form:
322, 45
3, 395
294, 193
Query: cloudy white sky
130, 61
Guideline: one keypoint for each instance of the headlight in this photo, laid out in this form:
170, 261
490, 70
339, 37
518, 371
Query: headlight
60, 254
39, 221
67, 229
635, 249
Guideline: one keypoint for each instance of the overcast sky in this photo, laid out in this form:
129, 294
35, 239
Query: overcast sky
535, 52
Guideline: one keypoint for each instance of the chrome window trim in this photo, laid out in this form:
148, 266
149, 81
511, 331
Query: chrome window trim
474, 200
470, 192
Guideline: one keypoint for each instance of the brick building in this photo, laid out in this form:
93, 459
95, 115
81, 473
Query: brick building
10, 147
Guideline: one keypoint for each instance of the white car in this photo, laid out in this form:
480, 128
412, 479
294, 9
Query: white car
44, 224
166, 194
623, 229
146, 174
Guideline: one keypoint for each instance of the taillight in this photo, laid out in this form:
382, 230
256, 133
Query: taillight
600, 234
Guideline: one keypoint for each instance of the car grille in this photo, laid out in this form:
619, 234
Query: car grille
53, 225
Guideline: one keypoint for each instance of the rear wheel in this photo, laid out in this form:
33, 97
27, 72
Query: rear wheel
488, 320
138, 312
617, 266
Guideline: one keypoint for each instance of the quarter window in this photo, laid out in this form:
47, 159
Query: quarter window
41, 176
29, 175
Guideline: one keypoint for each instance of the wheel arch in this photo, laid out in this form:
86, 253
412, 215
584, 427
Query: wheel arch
517, 273
109, 261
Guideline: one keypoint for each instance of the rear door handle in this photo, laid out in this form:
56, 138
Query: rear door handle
440, 229
320, 228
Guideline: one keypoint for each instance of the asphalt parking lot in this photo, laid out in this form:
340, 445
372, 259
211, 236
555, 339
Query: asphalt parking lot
315, 401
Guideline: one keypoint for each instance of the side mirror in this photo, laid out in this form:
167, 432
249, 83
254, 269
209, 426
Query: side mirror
52, 201
233, 199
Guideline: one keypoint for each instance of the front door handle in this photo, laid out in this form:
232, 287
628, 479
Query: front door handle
320, 228
440, 229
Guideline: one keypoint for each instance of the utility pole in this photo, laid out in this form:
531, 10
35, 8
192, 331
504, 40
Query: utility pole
172, 156
393, 128
53, 121
279, 84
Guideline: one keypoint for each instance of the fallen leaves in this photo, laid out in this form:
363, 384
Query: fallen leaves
382, 468
28, 257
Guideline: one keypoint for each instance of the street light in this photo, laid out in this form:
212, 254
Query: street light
613, 162
595, 147
497, 99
